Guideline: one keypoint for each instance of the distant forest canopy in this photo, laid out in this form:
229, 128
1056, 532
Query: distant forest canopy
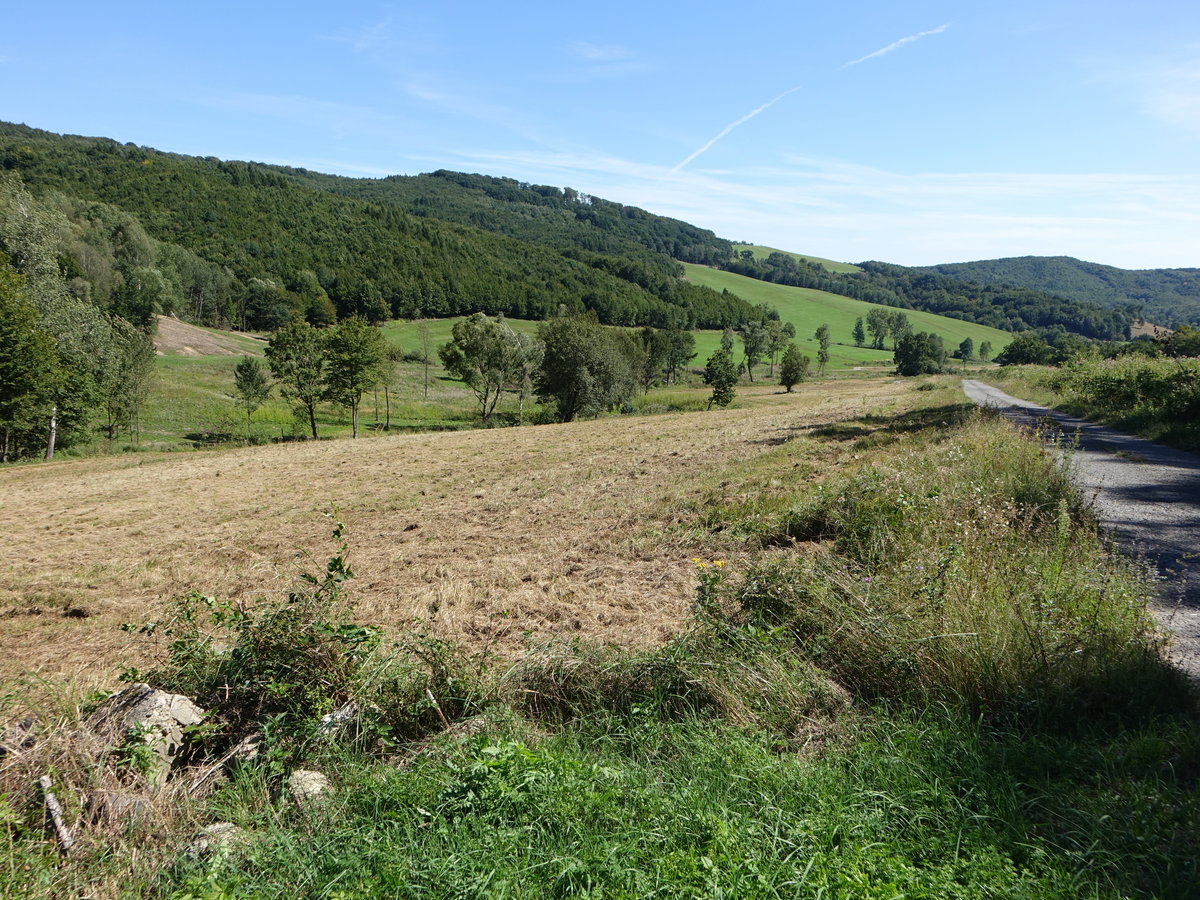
1164, 296
1008, 308
562, 218
256, 246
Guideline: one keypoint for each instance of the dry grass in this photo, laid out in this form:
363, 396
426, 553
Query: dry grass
487, 537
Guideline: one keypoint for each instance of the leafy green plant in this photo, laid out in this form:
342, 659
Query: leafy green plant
296, 659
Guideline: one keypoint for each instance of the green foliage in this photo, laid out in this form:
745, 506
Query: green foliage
859, 334
586, 369
921, 353
1159, 398
794, 367
985, 350
721, 375
356, 360
127, 379
966, 350
289, 661
296, 355
1165, 296
681, 349
822, 338
488, 356
1025, 349
28, 364
241, 242
251, 388
755, 341
1184, 341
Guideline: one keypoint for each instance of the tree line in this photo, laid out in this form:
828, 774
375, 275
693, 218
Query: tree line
67, 360
254, 247
1004, 307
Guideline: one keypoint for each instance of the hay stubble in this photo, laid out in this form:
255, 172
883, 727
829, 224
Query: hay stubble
490, 538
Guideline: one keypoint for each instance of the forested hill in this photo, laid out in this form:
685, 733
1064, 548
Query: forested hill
557, 217
1164, 296
1000, 306
259, 245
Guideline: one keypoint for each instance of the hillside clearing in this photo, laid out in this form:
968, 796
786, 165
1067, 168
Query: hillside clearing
179, 338
484, 536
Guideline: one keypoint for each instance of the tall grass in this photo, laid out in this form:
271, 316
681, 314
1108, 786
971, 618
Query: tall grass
964, 569
929, 678
1155, 398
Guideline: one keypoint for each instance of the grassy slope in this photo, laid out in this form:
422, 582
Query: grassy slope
727, 774
807, 309
761, 252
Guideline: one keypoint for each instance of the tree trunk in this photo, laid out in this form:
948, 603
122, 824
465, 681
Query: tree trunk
312, 419
354, 419
387, 409
53, 433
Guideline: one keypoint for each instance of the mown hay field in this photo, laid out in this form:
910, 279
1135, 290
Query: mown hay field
493, 538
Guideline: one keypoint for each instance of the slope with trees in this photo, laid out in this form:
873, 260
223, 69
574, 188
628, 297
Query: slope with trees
1165, 296
247, 244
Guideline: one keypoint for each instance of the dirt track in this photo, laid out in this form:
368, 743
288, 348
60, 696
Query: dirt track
1146, 495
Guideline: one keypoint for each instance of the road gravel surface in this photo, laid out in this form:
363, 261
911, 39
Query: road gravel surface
1146, 496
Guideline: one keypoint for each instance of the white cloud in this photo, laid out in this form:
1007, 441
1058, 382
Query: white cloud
845, 211
600, 53
894, 45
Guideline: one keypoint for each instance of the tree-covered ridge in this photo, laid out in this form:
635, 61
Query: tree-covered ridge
562, 218
285, 248
1165, 296
1008, 308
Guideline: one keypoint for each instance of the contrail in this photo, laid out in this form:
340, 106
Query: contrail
854, 62
893, 46
732, 125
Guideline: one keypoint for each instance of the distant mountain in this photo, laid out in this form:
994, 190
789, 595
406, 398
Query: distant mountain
1164, 296
1008, 307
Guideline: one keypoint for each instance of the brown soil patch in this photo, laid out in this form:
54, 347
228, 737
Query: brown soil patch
174, 336
1142, 328
495, 537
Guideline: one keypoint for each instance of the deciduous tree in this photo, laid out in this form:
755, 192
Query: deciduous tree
822, 337
296, 355
586, 368
721, 375
794, 367
251, 388
357, 359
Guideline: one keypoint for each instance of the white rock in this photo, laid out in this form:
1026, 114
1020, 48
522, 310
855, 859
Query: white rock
158, 717
306, 785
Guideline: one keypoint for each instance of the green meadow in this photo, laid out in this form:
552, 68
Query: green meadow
807, 309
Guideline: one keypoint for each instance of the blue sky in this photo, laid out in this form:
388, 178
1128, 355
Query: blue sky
914, 132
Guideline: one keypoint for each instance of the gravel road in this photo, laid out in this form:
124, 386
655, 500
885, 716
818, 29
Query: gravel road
1146, 495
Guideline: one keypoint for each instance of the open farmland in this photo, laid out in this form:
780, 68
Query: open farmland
485, 536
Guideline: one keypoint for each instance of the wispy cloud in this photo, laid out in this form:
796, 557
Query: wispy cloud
605, 53
851, 212
894, 45
732, 125
754, 112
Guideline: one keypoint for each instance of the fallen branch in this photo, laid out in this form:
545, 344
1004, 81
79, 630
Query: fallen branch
65, 840
438, 709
